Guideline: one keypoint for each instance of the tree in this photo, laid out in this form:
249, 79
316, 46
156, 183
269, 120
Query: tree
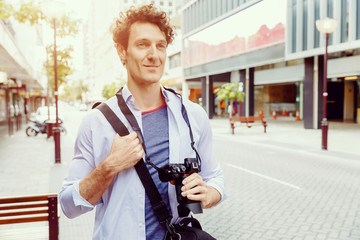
74, 91
63, 64
5, 10
30, 12
230, 91
110, 89
68, 93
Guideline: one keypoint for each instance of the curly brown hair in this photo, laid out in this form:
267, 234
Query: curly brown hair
146, 13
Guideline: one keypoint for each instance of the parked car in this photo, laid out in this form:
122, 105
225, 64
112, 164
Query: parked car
42, 115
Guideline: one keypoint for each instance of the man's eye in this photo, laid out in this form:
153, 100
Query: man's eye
162, 46
141, 45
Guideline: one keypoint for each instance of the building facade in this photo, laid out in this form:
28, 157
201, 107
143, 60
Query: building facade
275, 50
21, 79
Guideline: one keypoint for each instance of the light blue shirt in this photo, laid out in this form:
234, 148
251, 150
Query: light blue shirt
121, 212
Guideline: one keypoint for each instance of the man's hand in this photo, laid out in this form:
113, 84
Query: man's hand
125, 152
195, 188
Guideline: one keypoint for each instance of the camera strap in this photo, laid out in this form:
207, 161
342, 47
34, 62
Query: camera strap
160, 209
186, 118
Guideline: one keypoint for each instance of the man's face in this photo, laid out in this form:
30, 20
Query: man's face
146, 53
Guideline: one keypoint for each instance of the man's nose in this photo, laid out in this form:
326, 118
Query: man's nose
153, 52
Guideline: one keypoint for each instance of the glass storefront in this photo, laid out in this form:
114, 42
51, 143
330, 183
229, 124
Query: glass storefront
2, 105
358, 101
280, 99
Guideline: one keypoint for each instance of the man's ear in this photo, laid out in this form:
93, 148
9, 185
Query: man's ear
122, 54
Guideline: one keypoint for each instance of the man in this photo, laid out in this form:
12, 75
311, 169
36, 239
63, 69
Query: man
102, 173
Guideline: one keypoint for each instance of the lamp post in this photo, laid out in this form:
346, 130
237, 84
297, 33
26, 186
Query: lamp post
55, 9
326, 26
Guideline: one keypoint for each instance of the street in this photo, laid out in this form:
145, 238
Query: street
276, 192
279, 185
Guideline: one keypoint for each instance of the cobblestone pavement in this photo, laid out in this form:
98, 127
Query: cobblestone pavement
280, 185
27, 168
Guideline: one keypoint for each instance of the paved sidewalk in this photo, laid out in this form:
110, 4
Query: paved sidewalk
27, 168
27, 163
343, 138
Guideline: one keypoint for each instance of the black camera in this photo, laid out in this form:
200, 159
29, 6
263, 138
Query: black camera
176, 173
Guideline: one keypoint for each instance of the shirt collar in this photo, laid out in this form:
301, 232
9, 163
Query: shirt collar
126, 94
165, 93
128, 97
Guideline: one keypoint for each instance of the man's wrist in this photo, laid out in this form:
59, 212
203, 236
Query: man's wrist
214, 197
106, 169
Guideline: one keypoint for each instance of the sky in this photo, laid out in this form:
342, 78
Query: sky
79, 7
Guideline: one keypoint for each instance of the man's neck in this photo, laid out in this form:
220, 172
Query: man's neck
147, 97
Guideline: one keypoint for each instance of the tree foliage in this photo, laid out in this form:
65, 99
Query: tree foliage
73, 92
30, 12
230, 91
63, 64
110, 89
5, 9
67, 26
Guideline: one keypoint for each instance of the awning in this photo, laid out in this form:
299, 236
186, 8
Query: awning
176, 81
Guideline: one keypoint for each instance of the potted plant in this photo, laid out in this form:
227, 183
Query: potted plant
232, 92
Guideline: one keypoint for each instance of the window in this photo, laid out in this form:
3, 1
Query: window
174, 61
293, 31
358, 20
317, 16
330, 14
344, 24
305, 22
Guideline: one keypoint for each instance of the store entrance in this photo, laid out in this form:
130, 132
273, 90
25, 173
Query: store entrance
277, 100
335, 101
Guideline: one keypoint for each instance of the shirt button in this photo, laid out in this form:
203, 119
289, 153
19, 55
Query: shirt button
140, 196
140, 225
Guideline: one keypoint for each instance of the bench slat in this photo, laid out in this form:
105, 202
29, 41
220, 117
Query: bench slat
23, 213
25, 199
24, 220
11, 207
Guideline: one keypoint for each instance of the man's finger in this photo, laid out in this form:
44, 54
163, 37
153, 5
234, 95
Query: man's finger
191, 178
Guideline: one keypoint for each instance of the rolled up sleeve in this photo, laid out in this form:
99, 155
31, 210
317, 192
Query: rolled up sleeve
72, 203
210, 168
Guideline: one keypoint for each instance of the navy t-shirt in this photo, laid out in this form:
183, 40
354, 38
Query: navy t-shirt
156, 137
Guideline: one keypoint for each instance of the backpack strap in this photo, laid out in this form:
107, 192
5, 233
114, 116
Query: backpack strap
95, 105
160, 209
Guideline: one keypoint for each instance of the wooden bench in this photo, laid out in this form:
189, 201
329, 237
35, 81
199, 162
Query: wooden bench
249, 121
29, 209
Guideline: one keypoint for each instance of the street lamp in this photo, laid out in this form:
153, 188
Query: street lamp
55, 9
326, 26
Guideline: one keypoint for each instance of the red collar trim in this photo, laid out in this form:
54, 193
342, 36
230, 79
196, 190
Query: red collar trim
153, 110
